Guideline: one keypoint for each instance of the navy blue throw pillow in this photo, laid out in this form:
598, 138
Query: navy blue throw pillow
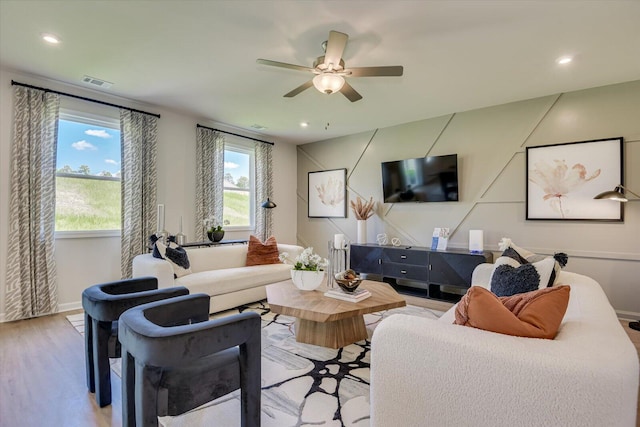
508, 280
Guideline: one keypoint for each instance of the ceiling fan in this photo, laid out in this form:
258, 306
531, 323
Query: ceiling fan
330, 70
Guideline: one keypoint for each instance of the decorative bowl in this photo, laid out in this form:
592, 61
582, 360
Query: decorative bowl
348, 280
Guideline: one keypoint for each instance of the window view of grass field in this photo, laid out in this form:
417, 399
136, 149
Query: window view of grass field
238, 188
87, 203
87, 175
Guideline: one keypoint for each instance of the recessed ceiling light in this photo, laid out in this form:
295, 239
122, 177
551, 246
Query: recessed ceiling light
304, 124
50, 38
564, 60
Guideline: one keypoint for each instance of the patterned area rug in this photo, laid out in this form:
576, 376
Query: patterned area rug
302, 384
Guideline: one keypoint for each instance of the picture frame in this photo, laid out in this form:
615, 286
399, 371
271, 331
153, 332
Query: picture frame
327, 194
562, 180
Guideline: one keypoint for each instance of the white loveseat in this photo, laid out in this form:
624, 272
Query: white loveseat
434, 373
220, 272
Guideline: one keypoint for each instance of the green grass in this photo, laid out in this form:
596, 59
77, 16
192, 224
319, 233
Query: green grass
236, 208
87, 204
91, 204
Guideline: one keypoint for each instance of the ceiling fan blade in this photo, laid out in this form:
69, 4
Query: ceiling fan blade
390, 71
299, 89
283, 65
351, 94
335, 48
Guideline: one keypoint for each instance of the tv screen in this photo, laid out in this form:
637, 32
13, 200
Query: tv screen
425, 179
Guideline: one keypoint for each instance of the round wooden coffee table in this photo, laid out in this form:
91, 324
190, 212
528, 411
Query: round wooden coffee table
326, 321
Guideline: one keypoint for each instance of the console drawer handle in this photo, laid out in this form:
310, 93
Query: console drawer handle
403, 271
403, 257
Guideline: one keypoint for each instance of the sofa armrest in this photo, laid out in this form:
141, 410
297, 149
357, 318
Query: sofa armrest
147, 265
481, 275
292, 250
423, 370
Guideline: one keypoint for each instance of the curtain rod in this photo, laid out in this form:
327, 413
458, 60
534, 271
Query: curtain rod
235, 134
14, 83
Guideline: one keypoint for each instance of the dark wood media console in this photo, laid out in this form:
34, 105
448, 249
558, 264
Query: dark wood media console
422, 272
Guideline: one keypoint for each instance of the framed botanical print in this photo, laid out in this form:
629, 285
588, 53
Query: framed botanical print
563, 179
327, 194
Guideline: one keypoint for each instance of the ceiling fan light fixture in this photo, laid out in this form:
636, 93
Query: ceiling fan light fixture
328, 82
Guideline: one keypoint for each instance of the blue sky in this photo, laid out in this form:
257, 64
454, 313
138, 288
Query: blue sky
237, 164
99, 148
82, 144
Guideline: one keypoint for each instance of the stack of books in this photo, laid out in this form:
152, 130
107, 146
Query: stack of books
355, 296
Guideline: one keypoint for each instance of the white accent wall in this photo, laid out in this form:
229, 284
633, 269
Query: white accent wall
82, 262
491, 144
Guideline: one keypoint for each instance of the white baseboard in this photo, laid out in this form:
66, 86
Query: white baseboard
61, 308
628, 315
69, 306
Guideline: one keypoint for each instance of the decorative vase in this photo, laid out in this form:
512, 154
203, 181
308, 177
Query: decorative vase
307, 280
362, 231
215, 236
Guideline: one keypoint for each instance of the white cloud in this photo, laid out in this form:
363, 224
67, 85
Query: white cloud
83, 145
100, 133
110, 161
231, 165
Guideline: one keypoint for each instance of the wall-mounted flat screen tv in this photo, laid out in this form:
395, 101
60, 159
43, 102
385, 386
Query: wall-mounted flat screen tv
425, 179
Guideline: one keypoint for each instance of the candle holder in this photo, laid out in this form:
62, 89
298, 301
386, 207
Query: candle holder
338, 261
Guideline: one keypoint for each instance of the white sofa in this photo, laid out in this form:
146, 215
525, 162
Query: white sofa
434, 373
220, 272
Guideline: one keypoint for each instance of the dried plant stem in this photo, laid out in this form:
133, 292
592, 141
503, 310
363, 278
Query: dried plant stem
362, 210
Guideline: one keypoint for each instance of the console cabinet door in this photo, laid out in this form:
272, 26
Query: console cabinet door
453, 269
366, 259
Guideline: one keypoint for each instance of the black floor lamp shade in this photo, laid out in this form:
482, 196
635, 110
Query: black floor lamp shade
268, 204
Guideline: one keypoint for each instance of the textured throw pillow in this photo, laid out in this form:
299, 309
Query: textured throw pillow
524, 256
509, 277
176, 255
260, 253
536, 314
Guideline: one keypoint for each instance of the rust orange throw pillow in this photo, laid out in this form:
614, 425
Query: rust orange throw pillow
260, 253
535, 314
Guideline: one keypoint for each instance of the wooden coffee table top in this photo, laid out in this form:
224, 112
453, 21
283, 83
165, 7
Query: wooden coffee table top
285, 298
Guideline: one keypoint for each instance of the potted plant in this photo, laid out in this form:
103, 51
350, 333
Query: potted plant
215, 232
308, 269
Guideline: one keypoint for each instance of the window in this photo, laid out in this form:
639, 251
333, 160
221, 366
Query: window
87, 173
239, 185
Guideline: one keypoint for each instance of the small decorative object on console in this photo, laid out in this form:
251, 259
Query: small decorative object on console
440, 239
382, 239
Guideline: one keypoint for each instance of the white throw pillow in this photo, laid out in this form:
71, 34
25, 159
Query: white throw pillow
177, 257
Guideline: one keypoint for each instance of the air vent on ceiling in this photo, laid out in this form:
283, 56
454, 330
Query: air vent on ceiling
258, 127
97, 82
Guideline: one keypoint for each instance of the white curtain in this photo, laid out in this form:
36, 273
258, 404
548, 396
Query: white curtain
31, 288
209, 179
264, 189
139, 140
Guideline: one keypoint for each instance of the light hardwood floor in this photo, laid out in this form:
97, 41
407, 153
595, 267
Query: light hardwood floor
42, 375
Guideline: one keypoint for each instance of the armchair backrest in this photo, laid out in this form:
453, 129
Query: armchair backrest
176, 332
107, 301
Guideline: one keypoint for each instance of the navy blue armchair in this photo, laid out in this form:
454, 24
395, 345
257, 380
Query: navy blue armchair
103, 304
174, 359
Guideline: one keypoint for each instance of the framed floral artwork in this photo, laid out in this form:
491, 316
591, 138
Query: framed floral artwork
562, 180
328, 194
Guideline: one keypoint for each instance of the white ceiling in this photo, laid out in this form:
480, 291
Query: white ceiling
199, 57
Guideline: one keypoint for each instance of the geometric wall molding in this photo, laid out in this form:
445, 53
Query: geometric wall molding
490, 145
